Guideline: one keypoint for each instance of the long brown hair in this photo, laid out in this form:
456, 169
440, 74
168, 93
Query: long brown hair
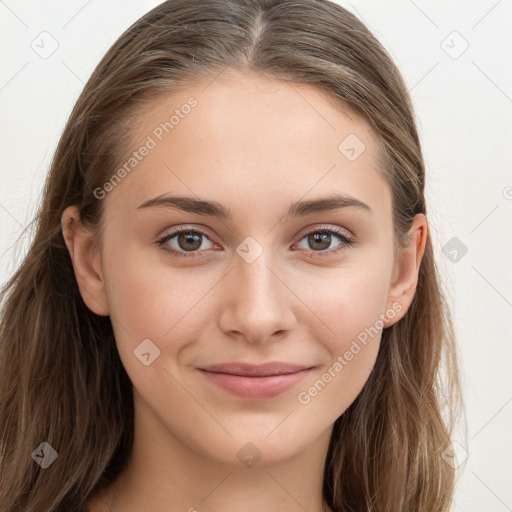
61, 379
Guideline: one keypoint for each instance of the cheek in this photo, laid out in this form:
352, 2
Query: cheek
347, 300
349, 308
153, 301
170, 305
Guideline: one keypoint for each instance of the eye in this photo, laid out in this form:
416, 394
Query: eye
187, 241
321, 239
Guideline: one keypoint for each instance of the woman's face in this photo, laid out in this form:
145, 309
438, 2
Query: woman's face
252, 283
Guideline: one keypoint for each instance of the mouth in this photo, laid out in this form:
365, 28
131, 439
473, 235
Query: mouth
255, 381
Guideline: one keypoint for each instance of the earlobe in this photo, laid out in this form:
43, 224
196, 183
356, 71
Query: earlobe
85, 257
406, 269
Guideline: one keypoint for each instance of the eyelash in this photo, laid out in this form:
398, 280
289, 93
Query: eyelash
347, 242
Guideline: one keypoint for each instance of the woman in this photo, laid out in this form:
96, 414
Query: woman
231, 301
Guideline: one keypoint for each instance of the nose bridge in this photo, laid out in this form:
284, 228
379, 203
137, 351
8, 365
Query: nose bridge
259, 302
258, 284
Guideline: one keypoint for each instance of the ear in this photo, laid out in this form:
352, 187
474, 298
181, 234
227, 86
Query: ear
406, 270
86, 259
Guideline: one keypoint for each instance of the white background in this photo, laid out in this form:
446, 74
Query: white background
464, 110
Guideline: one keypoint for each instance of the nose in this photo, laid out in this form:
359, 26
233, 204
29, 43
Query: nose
257, 304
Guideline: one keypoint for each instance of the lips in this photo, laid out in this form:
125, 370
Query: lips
253, 370
255, 381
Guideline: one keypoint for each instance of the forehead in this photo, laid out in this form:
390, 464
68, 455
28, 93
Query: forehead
251, 142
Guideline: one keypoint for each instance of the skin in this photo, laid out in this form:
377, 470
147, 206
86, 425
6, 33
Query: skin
255, 145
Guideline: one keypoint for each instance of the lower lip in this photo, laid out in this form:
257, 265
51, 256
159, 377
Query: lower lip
255, 387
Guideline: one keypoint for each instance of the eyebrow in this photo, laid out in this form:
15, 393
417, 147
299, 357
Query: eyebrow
215, 209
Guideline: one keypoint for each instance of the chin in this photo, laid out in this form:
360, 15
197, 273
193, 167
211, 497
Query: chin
252, 447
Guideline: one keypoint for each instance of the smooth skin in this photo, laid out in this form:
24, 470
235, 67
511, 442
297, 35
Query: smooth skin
255, 145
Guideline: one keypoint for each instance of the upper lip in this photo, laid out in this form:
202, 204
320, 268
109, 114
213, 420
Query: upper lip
255, 370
